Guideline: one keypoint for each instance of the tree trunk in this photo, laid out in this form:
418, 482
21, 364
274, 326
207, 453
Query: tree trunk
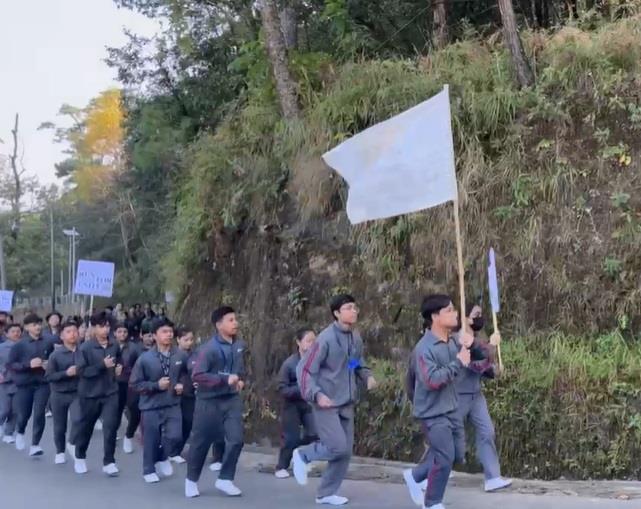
277, 54
441, 36
17, 194
513, 42
289, 27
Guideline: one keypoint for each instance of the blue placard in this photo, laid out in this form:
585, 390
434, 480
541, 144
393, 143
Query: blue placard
493, 282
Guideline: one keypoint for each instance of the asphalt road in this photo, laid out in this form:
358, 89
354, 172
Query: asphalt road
25, 481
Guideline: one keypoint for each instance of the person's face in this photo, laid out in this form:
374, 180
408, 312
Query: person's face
148, 340
82, 331
70, 335
34, 329
446, 318
228, 325
186, 342
54, 321
307, 342
347, 314
14, 333
101, 331
122, 334
164, 335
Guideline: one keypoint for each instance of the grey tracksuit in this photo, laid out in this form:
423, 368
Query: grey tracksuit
98, 396
64, 396
127, 397
7, 389
436, 406
296, 413
161, 418
473, 406
333, 366
218, 416
32, 389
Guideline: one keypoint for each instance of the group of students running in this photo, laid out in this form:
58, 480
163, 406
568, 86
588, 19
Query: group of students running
189, 399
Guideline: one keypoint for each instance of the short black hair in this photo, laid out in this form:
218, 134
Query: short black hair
220, 313
68, 323
338, 301
12, 325
31, 318
120, 325
100, 318
4, 313
145, 326
159, 322
53, 313
302, 332
183, 330
432, 304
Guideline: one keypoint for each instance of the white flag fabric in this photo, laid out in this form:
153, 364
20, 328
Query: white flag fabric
402, 165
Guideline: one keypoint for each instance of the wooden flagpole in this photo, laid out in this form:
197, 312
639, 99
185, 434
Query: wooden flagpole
461, 267
495, 321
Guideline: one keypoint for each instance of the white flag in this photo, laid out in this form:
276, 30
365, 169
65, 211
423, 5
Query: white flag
402, 165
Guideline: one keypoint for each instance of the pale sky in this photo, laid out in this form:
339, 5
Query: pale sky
52, 52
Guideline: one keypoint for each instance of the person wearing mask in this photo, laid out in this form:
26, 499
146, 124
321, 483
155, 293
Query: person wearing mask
327, 377
7, 386
296, 413
219, 371
188, 401
98, 366
438, 360
157, 376
27, 362
62, 375
127, 397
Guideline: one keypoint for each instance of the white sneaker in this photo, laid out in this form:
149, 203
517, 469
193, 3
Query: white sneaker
191, 489
71, 450
60, 459
332, 500
127, 446
436, 506
111, 470
416, 494
20, 443
216, 467
35, 450
48, 414
98, 425
80, 466
151, 478
228, 488
164, 468
8, 439
498, 483
423, 485
178, 460
281, 474
300, 468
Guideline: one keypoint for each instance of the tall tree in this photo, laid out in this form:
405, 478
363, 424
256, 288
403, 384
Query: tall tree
441, 35
285, 85
524, 73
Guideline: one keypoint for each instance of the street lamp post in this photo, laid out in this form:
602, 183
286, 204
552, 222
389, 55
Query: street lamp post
72, 234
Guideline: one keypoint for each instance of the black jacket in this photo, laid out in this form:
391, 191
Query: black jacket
146, 373
288, 381
95, 380
20, 357
56, 373
186, 380
129, 353
213, 367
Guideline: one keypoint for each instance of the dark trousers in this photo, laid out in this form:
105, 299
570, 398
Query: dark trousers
7, 415
128, 399
31, 399
92, 409
63, 404
162, 432
187, 407
216, 420
292, 418
218, 452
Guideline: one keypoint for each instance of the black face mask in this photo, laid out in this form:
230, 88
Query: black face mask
478, 323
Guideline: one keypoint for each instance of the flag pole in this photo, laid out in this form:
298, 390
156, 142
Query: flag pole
461, 268
495, 321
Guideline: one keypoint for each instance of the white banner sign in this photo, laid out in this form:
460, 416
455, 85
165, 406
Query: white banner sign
95, 278
6, 300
